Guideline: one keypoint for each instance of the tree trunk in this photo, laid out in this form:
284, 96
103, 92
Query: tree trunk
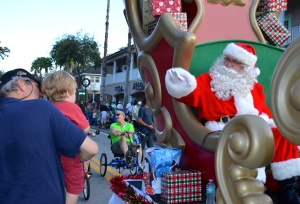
128, 59
104, 70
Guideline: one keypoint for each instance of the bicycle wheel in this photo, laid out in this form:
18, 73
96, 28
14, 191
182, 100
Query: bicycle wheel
140, 171
86, 188
103, 164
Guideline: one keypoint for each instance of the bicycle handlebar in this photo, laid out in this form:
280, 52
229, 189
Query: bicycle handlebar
124, 134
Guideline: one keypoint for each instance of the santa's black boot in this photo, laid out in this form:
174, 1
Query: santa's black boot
288, 191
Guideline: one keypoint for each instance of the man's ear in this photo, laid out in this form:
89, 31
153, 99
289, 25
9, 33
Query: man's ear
21, 85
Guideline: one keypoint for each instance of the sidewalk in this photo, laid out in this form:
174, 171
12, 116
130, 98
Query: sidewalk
106, 130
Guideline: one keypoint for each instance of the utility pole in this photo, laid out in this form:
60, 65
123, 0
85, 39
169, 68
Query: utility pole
128, 60
104, 70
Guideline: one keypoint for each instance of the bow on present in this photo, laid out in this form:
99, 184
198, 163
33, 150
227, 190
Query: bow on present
174, 166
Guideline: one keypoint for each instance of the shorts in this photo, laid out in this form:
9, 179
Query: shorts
73, 174
116, 147
103, 120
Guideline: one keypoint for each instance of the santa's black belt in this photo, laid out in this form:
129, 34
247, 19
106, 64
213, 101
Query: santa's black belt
223, 119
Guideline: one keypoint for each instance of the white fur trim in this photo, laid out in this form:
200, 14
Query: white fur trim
240, 54
214, 125
270, 121
257, 71
178, 88
286, 169
244, 104
261, 174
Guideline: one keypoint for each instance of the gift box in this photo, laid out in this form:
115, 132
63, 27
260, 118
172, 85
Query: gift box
272, 5
180, 17
274, 32
162, 160
162, 6
181, 187
147, 15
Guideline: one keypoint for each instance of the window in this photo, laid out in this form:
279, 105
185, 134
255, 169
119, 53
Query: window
92, 79
97, 79
287, 22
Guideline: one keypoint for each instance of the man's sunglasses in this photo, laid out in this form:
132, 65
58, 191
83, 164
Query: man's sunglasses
118, 114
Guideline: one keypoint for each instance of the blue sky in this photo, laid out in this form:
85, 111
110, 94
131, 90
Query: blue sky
29, 28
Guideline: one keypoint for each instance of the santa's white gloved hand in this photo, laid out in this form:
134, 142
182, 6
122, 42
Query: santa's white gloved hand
176, 78
179, 82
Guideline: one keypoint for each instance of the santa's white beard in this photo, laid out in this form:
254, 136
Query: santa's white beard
226, 82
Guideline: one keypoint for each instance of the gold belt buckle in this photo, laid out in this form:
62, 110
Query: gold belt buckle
228, 119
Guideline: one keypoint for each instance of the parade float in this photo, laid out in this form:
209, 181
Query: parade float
193, 38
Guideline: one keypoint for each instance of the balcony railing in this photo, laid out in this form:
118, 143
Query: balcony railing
120, 77
295, 31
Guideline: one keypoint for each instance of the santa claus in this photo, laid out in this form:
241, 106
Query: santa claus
230, 89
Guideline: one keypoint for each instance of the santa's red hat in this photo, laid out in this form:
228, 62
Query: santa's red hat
244, 53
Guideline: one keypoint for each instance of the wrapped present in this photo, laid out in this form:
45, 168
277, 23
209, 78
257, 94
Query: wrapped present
162, 6
274, 32
272, 5
147, 15
151, 26
148, 187
181, 187
180, 17
162, 160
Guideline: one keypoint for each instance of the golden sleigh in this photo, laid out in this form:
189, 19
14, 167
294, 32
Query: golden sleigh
231, 158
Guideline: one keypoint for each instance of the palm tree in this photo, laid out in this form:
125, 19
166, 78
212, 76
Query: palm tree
104, 70
75, 53
40, 64
3, 52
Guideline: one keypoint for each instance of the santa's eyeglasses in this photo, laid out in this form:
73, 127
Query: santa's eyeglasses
233, 62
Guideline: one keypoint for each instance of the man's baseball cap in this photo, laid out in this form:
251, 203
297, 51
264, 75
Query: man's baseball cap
140, 102
17, 72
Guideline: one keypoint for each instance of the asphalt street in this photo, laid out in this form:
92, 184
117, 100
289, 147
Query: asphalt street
100, 192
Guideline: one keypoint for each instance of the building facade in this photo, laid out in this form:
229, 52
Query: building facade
292, 20
92, 91
115, 81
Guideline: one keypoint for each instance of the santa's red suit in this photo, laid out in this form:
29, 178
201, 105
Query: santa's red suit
196, 92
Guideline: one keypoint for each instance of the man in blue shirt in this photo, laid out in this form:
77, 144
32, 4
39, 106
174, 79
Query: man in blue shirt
146, 127
33, 135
